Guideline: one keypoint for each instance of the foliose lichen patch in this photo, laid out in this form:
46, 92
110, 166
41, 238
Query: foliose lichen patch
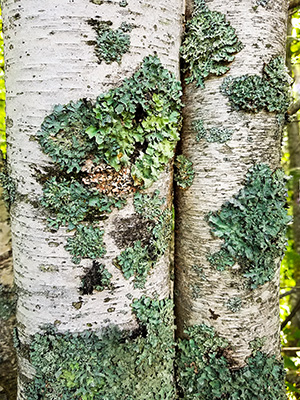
69, 202
253, 226
63, 135
106, 150
86, 243
137, 260
135, 125
208, 46
183, 172
213, 135
111, 44
112, 365
205, 373
253, 93
139, 122
199, 271
234, 304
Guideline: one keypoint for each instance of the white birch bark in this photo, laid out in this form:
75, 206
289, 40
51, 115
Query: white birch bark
48, 62
219, 173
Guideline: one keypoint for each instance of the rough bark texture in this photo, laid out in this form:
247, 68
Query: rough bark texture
49, 61
219, 174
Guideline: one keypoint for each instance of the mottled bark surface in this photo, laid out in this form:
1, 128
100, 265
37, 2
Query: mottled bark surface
50, 60
219, 173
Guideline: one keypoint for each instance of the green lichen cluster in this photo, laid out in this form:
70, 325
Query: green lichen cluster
96, 278
254, 93
148, 206
221, 260
253, 226
114, 365
234, 304
8, 302
199, 271
63, 135
205, 373
137, 260
257, 344
138, 123
183, 172
111, 44
195, 291
86, 243
9, 187
208, 46
213, 135
135, 126
70, 203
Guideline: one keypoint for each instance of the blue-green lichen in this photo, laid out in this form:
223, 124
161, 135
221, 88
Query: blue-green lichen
209, 44
137, 260
70, 203
63, 135
234, 304
195, 291
213, 135
86, 243
135, 125
138, 123
102, 151
253, 226
108, 365
148, 206
204, 370
253, 93
257, 344
111, 44
199, 271
183, 172
221, 260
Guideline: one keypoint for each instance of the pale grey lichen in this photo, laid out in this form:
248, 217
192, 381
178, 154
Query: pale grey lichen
213, 135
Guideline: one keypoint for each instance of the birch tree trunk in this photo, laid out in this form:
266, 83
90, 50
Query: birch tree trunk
51, 51
230, 134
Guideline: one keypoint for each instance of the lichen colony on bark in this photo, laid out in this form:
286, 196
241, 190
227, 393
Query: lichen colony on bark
132, 128
85, 164
230, 222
